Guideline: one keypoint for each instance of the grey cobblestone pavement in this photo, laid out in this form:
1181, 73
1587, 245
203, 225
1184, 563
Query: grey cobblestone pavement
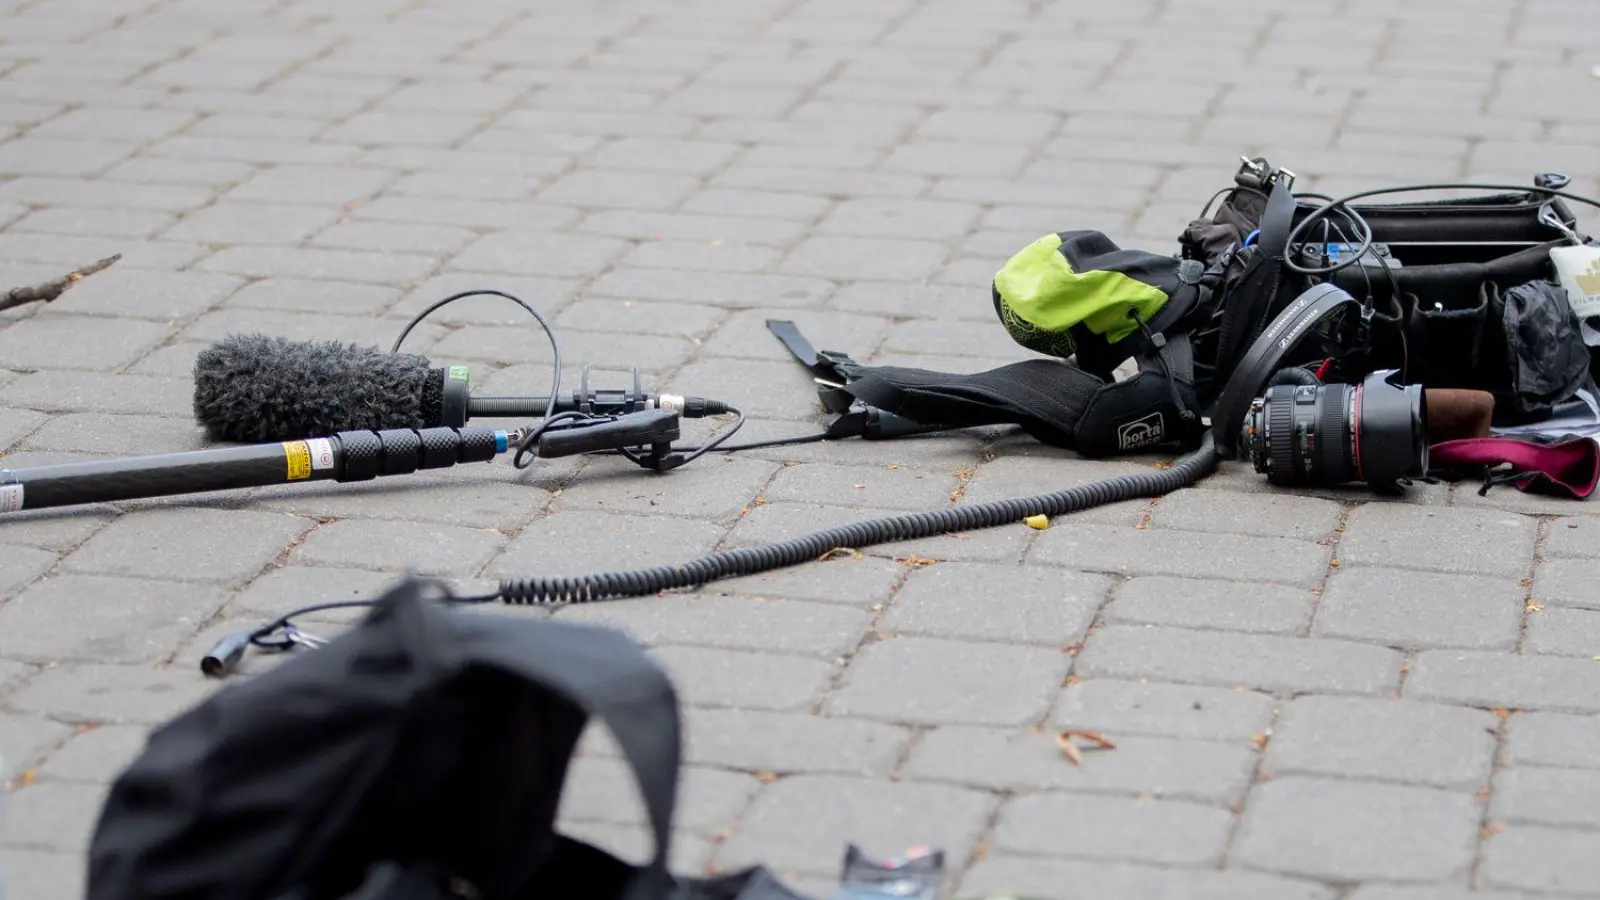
1314, 695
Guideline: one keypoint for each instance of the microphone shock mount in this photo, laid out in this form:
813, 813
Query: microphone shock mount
457, 405
629, 423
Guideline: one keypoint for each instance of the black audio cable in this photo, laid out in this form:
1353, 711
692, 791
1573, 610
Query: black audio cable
644, 436
256, 388
1255, 368
1363, 230
1186, 470
282, 634
661, 456
530, 437
674, 457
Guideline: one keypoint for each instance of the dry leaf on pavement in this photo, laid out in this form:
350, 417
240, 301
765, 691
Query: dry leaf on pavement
1073, 753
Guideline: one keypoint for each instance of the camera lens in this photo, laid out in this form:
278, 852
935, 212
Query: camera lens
1332, 434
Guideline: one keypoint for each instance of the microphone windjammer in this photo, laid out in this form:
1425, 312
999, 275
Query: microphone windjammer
255, 388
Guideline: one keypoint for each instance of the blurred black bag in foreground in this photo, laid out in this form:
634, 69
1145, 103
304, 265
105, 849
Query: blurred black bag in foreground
420, 756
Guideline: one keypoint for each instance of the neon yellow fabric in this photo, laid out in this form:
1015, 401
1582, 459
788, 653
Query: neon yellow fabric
1039, 287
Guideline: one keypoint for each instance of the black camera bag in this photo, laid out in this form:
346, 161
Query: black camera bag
1463, 294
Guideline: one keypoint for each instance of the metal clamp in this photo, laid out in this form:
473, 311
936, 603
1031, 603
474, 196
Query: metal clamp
1550, 219
1259, 174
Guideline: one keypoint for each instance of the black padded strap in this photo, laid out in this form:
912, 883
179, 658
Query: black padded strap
649, 735
1277, 221
786, 331
1176, 360
1192, 277
822, 365
1257, 291
1180, 357
1047, 397
613, 679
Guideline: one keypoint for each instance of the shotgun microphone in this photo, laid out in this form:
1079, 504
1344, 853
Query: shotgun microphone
254, 389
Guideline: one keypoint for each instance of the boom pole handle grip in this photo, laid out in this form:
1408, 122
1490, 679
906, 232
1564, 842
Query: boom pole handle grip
345, 456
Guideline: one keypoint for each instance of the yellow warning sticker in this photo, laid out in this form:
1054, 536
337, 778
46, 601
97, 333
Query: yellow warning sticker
298, 455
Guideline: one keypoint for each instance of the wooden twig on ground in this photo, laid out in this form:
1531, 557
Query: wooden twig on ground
44, 293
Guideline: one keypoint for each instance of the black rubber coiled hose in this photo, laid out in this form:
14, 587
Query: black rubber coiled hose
1186, 470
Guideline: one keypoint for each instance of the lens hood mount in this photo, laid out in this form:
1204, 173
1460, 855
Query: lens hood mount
1391, 427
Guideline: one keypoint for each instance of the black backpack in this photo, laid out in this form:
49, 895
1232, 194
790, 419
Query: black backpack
421, 756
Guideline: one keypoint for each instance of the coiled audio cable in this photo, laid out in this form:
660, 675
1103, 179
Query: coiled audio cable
282, 634
1185, 471
1256, 368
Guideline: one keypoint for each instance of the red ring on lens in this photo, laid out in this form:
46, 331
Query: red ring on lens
1355, 430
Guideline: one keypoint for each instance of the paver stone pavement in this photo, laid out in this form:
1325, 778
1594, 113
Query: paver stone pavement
1317, 694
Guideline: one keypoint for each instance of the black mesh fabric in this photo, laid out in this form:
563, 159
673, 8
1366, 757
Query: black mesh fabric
255, 388
432, 401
